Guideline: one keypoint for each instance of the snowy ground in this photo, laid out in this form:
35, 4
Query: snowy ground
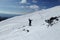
16, 28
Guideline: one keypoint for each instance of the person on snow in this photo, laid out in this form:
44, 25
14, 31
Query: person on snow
30, 21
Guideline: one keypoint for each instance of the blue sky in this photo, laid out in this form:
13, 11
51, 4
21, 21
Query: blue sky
25, 6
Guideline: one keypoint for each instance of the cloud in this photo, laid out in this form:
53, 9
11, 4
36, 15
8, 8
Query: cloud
34, 7
34, 1
6, 12
29, 8
23, 1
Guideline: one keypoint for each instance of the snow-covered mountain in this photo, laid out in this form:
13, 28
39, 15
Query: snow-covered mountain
16, 28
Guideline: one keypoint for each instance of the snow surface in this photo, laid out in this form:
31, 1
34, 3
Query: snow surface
16, 28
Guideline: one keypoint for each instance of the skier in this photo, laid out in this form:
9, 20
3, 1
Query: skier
30, 22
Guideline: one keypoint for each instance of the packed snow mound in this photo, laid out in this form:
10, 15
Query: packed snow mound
17, 28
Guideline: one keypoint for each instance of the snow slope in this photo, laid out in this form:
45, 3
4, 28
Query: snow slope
16, 28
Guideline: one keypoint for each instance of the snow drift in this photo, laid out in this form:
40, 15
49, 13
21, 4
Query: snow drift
16, 28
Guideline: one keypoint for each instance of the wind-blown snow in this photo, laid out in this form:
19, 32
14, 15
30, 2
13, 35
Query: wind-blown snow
16, 28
